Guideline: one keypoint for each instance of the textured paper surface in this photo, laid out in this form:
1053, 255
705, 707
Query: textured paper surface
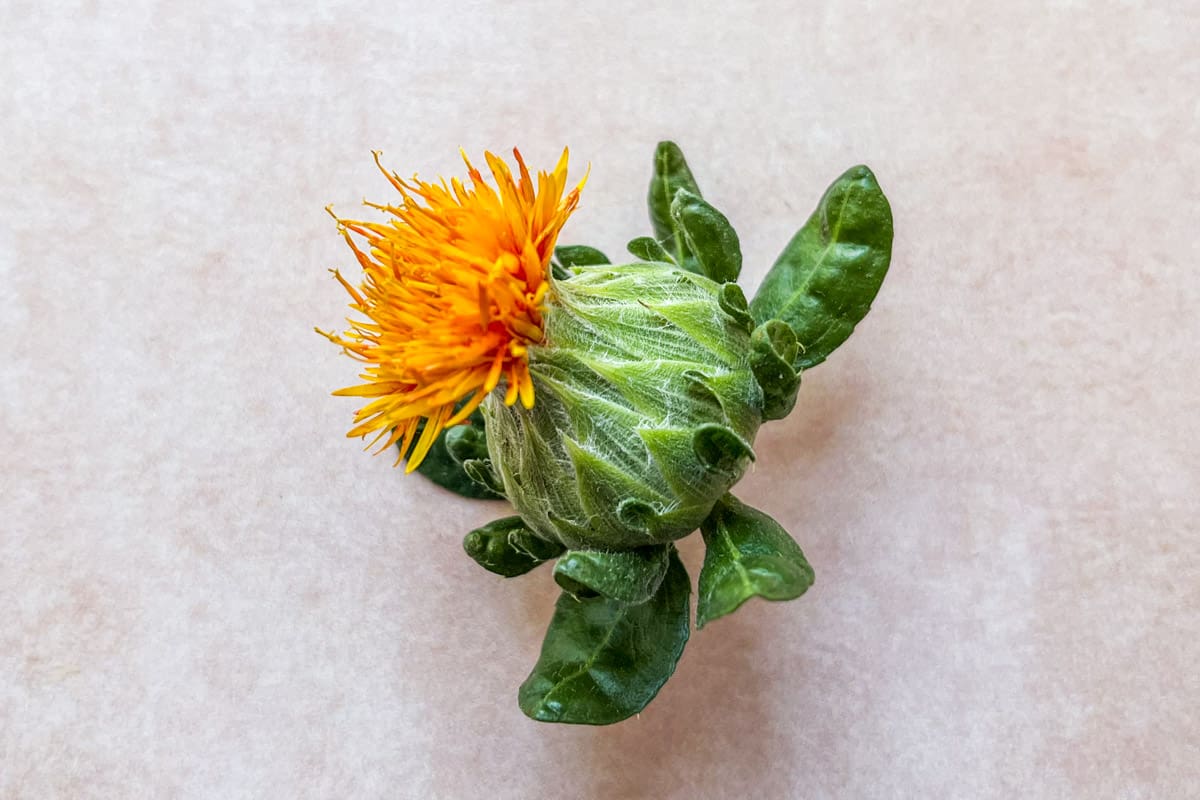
208, 592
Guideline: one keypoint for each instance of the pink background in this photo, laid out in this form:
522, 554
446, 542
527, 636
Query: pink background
206, 591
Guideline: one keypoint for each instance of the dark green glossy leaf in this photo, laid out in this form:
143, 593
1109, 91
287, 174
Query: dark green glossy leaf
709, 237
579, 255
747, 555
825, 279
443, 468
647, 248
671, 173
629, 576
773, 350
465, 442
507, 547
602, 661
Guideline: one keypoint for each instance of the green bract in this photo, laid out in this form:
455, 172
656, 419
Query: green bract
651, 383
646, 409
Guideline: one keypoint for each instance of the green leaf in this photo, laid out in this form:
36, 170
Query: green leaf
747, 555
602, 660
446, 470
629, 576
671, 173
507, 547
823, 282
579, 255
647, 248
773, 350
465, 442
708, 235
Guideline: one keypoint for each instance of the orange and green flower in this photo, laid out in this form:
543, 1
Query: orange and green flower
652, 376
453, 287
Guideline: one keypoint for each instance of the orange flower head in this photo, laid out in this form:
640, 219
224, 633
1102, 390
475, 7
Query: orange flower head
453, 289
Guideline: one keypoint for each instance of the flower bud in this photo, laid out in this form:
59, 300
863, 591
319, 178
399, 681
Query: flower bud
646, 409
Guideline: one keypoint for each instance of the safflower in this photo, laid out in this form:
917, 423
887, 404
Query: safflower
452, 290
614, 406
